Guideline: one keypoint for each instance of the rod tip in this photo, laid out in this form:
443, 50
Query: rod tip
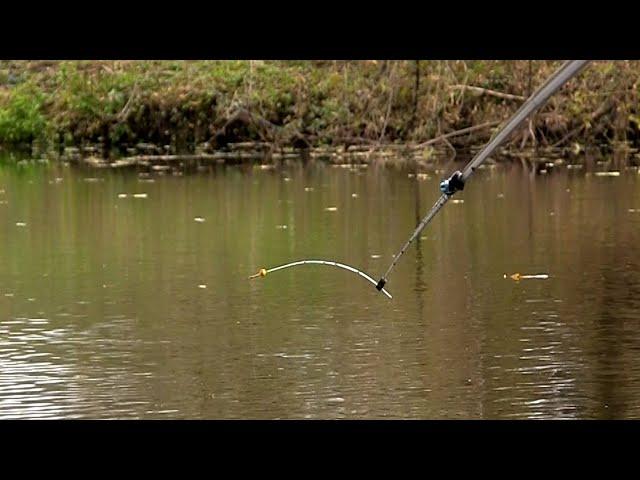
261, 273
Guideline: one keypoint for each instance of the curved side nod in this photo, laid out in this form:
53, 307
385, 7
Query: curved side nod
263, 272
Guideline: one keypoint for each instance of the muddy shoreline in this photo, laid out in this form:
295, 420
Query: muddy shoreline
148, 160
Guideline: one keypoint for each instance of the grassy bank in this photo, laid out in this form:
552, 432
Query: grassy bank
206, 105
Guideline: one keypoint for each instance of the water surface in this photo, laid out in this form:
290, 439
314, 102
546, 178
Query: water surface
129, 307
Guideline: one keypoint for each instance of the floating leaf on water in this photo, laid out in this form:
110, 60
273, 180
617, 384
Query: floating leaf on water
281, 227
411, 175
286, 179
331, 209
375, 256
308, 189
633, 210
199, 219
122, 195
422, 176
21, 224
576, 166
202, 286
92, 179
607, 174
517, 276
354, 195
501, 195
8, 294
457, 201
140, 195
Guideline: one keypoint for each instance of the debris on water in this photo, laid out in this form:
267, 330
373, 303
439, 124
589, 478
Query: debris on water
308, 189
31, 299
202, 286
199, 219
21, 224
457, 201
633, 210
411, 175
607, 174
574, 166
286, 179
331, 209
501, 195
281, 227
1, 192
375, 256
140, 195
8, 294
92, 179
354, 195
517, 276
122, 195
335, 400
422, 176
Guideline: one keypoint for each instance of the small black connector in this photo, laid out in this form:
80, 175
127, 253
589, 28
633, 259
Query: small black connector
452, 184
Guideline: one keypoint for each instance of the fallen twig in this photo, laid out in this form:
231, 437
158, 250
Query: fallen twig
458, 133
486, 91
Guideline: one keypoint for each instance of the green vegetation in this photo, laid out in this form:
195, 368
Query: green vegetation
190, 103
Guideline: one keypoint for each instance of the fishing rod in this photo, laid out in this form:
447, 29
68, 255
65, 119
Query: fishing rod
457, 180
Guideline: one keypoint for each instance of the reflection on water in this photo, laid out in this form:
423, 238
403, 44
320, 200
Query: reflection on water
124, 298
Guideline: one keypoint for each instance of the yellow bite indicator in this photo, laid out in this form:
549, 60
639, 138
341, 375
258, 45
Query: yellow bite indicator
261, 273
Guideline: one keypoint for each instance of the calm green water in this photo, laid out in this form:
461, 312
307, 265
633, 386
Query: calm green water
104, 314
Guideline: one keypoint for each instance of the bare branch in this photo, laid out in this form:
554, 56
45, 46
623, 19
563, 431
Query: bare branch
458, 133
486, 91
